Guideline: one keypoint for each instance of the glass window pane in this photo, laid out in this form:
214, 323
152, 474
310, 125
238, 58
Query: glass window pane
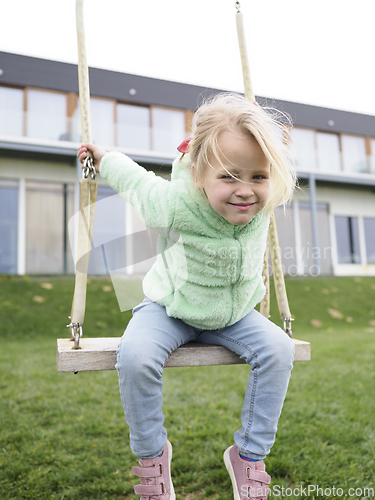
46, 115
328, 146
69, 262
133, 127
44, 228
8, 226
103, 121
354, 234
285, 231
309, 252
307, 243
347, 238
168, 129
372, 157
354, 153
370, 239
109, 243
303, 144
11, 111
325, 248
75, 125
108, 252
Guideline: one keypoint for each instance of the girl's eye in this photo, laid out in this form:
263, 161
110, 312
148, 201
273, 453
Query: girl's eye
229, 177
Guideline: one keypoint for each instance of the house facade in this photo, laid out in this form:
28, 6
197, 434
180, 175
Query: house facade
329, 228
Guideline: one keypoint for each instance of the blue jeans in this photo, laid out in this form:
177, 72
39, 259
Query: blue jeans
146, 344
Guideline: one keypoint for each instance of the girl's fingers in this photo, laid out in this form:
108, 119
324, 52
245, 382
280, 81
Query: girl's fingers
81, 150
82, 153
81, 156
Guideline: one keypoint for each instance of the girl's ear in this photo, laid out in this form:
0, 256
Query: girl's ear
197, 183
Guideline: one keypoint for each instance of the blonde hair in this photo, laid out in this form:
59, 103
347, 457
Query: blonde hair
234, 113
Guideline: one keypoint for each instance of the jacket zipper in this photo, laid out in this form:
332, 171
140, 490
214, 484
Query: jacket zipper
238, 273
239, 260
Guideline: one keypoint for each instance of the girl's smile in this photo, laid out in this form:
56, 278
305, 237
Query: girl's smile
237, 183
243, 207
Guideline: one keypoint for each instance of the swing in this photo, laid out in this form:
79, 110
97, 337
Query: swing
91, 354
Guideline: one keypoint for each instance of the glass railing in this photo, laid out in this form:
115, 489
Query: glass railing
47, 126
337, 163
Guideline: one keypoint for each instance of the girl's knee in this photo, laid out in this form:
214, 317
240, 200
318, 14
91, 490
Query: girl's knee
136, 359
286, 351
281, 351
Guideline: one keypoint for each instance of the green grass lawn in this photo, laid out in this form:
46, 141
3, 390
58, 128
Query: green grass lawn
63, 436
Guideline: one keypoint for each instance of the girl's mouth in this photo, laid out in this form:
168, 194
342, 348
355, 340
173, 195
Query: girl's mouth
242, 206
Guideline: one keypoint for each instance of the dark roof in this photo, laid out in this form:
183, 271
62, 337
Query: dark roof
19, 70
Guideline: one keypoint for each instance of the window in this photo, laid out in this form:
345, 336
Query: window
46, 115
309, 254
303, 144
168, 129
8, 226
44, 228
372, 157
11, 111
109, 245
328, 146
369, 226
347, 238
285, 229
69, 202
103, 121
354, 153
133, 127
325, 248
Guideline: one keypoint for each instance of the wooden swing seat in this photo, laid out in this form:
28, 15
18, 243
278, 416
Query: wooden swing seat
100, 354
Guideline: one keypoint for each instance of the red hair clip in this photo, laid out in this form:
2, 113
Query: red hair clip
184, 146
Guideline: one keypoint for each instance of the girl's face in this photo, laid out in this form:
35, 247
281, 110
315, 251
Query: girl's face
239, 196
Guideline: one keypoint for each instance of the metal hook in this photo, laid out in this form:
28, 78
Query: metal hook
77, 332
287, 325
238, 6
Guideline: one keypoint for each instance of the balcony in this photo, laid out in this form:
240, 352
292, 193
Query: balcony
44, 127
161, 140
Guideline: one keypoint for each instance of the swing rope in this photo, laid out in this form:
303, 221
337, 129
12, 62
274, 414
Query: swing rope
88, 188
273, 241
101, 353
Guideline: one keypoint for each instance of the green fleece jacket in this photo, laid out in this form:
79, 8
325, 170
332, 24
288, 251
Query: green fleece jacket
208, 271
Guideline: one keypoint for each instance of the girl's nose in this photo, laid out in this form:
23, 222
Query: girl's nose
244, 190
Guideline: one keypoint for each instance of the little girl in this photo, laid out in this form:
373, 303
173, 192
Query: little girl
206, 282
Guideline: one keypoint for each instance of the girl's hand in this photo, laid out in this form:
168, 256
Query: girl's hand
97, 154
